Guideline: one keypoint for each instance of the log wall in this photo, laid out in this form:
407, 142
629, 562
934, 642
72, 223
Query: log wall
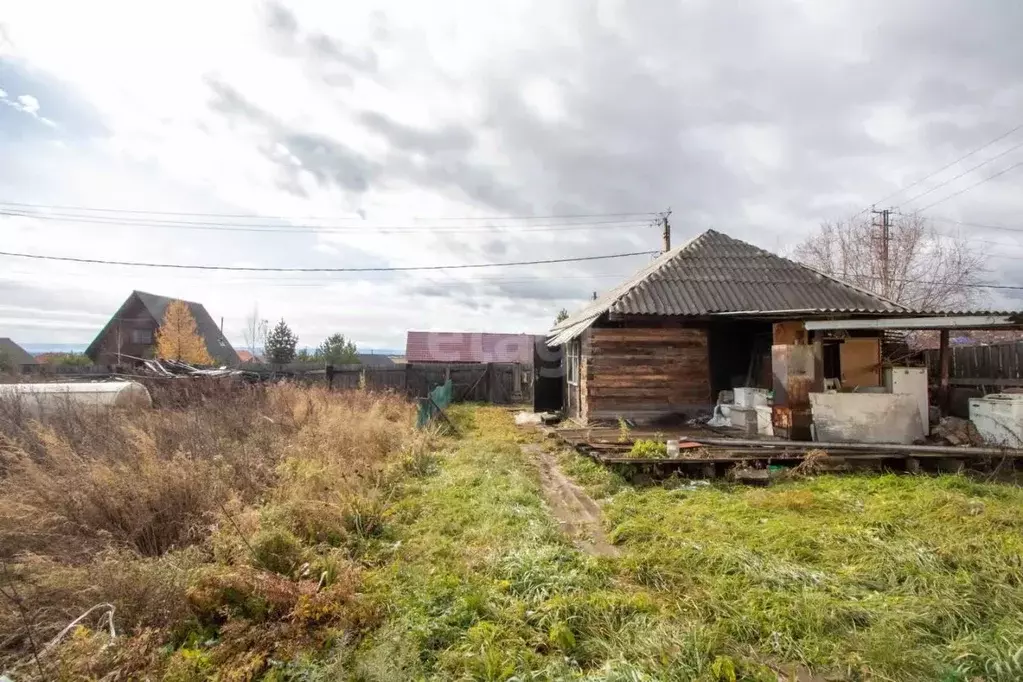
644, 373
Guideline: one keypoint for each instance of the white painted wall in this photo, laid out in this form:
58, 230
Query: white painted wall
866, 417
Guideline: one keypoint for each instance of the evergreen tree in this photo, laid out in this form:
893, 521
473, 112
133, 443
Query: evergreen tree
337, 350
280, 344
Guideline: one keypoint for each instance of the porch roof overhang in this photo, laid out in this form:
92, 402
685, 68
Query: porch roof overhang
966, 321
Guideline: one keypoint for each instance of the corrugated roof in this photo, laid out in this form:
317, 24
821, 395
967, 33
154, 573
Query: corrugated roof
714, 273
15, 353
469, 347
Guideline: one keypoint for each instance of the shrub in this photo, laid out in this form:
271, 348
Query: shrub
648, 449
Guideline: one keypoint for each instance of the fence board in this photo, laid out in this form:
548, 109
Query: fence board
994, 365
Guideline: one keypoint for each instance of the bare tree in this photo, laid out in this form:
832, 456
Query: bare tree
925, 270
255, 332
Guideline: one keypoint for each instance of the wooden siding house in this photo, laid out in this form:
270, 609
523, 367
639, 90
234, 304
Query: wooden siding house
713, 314
131, 332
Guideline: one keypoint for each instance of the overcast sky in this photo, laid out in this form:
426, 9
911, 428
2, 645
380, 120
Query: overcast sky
343, 134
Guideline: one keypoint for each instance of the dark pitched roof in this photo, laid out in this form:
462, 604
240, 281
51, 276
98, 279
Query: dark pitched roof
715, 273
469, 347
374, 360
217, 345
16, 354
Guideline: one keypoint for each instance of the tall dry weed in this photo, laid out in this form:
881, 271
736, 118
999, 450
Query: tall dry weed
128, 507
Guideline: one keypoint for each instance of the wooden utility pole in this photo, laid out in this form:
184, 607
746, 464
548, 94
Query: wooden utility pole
666, 227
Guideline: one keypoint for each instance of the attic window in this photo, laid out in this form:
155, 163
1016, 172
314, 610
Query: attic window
222, 342
142, 336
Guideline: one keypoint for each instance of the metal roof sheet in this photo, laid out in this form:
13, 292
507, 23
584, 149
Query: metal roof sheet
716, 274
470, 347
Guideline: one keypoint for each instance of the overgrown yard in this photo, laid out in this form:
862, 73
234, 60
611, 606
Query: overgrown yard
300, 535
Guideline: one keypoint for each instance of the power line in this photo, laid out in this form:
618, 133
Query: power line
644, 214
965, 172
969, 187
965, 223
239, 268
326, 229
943, 168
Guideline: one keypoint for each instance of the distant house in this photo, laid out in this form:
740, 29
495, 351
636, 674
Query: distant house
376, 361
131, 332
14, 355
471, 347
247, 357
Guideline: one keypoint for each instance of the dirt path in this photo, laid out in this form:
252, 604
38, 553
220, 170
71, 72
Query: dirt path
579, 516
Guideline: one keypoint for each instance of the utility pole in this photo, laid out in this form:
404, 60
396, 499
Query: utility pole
666, 226
885, 228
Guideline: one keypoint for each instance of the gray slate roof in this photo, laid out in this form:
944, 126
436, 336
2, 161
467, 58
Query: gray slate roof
217, 345
375, 360
16, 354
715, 273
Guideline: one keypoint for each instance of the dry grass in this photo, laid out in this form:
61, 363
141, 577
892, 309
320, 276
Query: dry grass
195, 523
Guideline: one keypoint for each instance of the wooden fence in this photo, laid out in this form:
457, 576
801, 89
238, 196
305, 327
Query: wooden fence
975, 371
495, 383
994, 366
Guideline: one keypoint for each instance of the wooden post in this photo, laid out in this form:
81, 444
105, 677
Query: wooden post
943, 363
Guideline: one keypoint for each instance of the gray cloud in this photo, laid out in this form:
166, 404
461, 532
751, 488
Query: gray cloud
327, 58
327, 160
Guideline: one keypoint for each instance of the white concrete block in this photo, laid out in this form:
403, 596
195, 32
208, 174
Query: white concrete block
866, 417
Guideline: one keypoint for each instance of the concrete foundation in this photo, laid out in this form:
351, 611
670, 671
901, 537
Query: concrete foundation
866, 418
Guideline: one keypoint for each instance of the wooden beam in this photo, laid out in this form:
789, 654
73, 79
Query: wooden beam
943, 362
947, 322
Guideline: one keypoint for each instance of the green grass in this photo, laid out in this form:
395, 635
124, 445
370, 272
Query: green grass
866, 577
876, 577
481, 585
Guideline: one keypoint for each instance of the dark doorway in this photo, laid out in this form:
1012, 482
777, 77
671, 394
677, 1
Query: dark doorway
740, 354
548, 378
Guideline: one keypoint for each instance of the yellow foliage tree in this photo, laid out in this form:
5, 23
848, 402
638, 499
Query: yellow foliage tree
178, 337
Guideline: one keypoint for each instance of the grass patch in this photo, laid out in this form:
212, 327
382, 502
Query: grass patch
482, 585
878, 576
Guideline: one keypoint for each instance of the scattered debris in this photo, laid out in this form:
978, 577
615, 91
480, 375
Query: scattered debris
524, 418
742, 472
956, 431
811, 464
175, 368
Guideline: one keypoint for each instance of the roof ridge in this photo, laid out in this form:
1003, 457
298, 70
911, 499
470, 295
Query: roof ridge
603, 303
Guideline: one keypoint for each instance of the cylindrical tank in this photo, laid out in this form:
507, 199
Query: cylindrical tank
39, 399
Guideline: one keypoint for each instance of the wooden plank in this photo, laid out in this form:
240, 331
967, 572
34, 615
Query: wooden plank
861, 362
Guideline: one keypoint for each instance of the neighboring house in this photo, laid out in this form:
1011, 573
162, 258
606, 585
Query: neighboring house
131, 332
376, 361
245, 356
714, 314
471, 347
14, 355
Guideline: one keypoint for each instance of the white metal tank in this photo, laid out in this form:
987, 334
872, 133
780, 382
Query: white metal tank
39, 399
999, 418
